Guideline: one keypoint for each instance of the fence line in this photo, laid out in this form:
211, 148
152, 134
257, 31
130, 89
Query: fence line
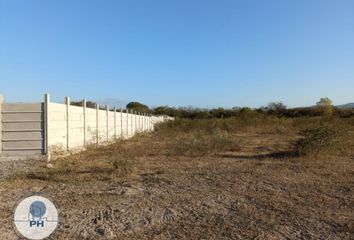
67, 127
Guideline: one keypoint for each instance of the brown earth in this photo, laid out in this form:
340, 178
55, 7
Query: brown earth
145, 188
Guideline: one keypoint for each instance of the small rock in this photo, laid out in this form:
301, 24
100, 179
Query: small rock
36, 189
49, 165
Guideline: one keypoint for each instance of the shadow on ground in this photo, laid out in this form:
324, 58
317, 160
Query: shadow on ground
273, 155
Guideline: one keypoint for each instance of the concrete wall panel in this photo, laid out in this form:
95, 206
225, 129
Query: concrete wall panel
22, 128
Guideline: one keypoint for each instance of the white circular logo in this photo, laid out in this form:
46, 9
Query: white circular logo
36, 217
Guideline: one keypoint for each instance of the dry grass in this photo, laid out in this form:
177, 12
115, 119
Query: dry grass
200, 179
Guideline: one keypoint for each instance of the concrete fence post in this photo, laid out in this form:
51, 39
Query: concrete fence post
135, 122
127, 121
139, 121
1, 102
121, 123
107, 120
145, 122
150, 121
143, 119
115, 123
131, 123
97, 123
85, 121
134, 116
67, 102
142, 122
46, 149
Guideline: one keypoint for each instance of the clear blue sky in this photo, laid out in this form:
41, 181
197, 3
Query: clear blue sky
202, 53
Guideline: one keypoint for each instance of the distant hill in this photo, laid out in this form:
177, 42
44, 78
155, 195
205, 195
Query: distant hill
346, 106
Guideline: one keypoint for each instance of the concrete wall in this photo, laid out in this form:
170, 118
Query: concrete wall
74, 127
49, 127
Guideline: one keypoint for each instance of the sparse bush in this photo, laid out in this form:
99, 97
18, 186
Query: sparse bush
120, 165
202, 143
313, 141
280, 129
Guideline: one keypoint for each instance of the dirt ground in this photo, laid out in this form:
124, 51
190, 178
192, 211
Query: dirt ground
254, 192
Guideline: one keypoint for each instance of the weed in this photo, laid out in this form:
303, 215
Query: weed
313, 141
121, 165
202, 143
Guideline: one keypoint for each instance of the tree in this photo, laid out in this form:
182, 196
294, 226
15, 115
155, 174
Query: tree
89, 104
170, 111
277, 107
138, 107
325, 106
218, 112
